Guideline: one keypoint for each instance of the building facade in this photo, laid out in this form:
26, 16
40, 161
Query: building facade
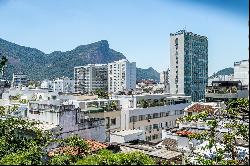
241, 72
90, 78
121, 76
66, 120
63, 84
152, 113
107, 109
19, 79
221, 78
164, 79
188, 64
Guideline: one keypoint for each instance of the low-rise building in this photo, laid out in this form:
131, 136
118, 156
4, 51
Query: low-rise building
108, 109
225, 90
151, 113
68, 119
127, 136
63, 84
241, 72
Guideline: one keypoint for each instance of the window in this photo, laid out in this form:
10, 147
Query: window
155, 126
113, 121
134, 119
155, 136
162, 114
166, 124
141, 117
155, 115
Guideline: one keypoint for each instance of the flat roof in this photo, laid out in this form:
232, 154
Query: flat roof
127, 132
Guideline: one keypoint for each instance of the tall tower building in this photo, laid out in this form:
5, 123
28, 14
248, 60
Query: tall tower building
91, 77
164, 79
188, 64
121, 76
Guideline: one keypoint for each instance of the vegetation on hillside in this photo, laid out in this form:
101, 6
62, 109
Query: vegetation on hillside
226, 71
39, 66
147, 74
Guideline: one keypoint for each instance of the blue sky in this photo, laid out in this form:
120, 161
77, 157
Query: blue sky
137, 28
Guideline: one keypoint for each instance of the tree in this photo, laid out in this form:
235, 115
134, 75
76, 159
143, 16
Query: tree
3, 62
106, 157
21, 142
233, 121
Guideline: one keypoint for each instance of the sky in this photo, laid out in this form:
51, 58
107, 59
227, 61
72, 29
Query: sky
140, 29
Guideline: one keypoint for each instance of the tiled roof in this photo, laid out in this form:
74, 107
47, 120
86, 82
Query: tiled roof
66, 150
94, 146
170, 143
199, 108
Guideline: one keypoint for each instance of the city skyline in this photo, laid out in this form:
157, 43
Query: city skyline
141, 31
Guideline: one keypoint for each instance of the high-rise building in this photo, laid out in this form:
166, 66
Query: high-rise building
188, 64
121, 76
91, 77
241, 72
164, 79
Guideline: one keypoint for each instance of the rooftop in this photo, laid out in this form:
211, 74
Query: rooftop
94, 146
127, 132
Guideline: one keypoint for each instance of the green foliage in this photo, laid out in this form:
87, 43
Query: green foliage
233, 115
61, 159
105, 157
101, 93
18, 135
2, 110
147, 74
32, 155
76, 141
226, 71
56, 64
3, 62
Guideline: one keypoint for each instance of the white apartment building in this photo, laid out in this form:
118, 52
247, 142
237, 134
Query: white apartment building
188, 64
164, 79
241, 72
91, 77
121, 76
19, 79
107, 109
63, 84
64, 119
151, 113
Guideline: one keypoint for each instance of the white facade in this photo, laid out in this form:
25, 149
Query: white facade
164, 79
19, 79
188, 64
127, 136
161, 113
91, 77
63, 84
121, 76
241, 72
220, 78
68, 118
108, 109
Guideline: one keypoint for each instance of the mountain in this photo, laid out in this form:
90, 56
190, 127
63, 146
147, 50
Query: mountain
38, 65
149, 73
226, 71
